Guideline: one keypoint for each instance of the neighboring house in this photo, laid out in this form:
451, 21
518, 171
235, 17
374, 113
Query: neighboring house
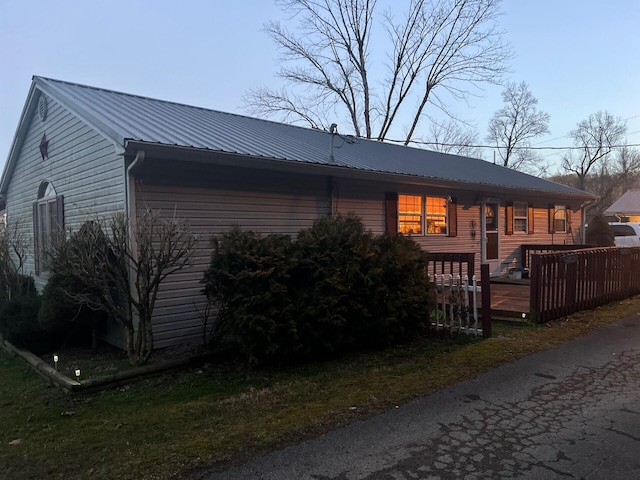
626, 208
81, 152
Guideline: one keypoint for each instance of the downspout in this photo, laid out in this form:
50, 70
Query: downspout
583, 214
138, 161
130, 210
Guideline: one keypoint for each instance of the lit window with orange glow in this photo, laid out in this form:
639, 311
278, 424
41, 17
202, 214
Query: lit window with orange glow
436, 215
410, 214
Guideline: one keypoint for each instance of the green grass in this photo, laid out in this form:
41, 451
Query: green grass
174, 424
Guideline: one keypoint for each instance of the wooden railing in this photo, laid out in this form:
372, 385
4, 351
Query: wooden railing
456, 293
445, 263
529, 249
567, 282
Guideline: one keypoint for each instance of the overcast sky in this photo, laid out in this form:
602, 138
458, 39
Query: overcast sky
578, 56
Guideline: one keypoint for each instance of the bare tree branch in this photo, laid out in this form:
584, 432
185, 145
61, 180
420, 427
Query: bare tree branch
99, 255
448, 45
596, 137
514, 126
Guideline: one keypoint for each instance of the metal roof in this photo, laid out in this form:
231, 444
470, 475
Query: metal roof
627, 204
124, 117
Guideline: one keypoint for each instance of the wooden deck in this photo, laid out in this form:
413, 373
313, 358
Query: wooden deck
509, 299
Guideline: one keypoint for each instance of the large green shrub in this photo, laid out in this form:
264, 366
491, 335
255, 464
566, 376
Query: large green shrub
599, 232
249, 278
19, 318
61, 317
403, 298
334, 281
336, 288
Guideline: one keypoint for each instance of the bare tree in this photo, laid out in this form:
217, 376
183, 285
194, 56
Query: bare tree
512, 128
596, 137
13, 253
123, 280
450, 137
614, 177
438, 46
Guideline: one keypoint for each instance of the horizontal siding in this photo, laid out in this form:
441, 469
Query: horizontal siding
265, 202
82, 166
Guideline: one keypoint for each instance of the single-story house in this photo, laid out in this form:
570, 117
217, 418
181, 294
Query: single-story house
626, 208
81, 152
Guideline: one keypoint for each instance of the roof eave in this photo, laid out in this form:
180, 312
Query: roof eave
163, 151
19, 137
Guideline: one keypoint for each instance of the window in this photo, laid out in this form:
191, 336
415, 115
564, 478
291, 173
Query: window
559, 219
436, 215
417, 214
520, 217
409, 214
48, 221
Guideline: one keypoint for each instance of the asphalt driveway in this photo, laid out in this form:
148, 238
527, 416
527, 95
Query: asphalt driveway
569, 412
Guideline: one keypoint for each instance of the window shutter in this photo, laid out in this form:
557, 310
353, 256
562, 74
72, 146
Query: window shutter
60, 213
36, 253
509, 214
453, 217
391, 212
530, 219
552, 217
568, 218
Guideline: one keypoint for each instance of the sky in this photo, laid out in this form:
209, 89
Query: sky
577, 56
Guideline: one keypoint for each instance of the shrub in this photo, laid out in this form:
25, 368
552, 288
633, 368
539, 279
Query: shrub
599, 232
248, 277
335, 282
61, 317
403, 299
19, 322
336, 288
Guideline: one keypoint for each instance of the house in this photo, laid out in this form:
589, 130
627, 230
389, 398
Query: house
81, 152
626, 208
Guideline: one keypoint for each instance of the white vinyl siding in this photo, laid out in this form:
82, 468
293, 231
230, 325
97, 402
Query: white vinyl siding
82, 165
261, 201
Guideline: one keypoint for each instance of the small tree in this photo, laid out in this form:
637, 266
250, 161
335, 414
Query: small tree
100, 255
599, 232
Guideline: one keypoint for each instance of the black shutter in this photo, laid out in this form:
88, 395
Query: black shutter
36, 230
391, 212
453, 217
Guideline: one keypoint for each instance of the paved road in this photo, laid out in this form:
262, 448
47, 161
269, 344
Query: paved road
570, 412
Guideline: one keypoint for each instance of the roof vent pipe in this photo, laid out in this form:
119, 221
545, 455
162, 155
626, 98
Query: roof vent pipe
333, 129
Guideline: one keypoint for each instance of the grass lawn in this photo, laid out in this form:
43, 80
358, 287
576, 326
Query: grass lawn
172, 426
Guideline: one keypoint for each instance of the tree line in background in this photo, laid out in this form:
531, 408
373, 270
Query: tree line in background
352, 60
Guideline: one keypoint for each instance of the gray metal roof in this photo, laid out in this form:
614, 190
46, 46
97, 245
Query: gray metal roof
627, 204
123, 117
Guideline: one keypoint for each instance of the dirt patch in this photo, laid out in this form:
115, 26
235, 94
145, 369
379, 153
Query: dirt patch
106, 359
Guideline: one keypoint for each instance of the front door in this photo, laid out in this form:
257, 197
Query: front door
491, 250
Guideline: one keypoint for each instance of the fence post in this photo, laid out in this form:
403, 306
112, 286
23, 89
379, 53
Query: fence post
486, 300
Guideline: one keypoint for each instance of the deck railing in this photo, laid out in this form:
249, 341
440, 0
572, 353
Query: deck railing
446, 263
527, 250
457, 294
566, 282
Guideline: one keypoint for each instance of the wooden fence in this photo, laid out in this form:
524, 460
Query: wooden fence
566, 282
526, 250
446, 263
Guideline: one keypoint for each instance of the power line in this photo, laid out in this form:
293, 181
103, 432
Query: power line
420, 142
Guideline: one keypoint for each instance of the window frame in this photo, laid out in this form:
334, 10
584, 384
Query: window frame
425, 215
524, 206
48, 221
556, 209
